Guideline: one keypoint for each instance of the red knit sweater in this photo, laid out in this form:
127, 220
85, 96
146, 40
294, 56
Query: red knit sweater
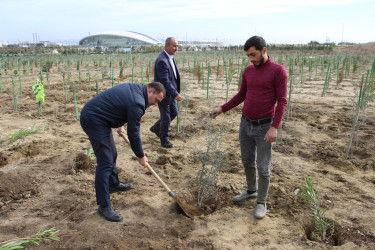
261, 88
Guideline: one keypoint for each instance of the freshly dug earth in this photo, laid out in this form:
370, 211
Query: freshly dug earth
46, 180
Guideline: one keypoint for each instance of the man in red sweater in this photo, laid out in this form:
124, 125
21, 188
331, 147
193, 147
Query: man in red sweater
264, 84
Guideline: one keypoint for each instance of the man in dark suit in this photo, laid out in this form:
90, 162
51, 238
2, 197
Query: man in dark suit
112, 108
167, 73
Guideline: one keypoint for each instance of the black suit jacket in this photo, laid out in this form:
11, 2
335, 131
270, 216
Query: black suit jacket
124, 103
164, 74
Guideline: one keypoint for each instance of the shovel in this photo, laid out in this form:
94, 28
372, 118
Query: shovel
180, 203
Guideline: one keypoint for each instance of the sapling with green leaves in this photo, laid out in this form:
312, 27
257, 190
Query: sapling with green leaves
327, 79
112, 76
149, 70
22, 133
103, 75
226, 82
202, 76
14, 95
75, 101
66, 83
90, 153
323, 228
142, 81
38, 90
41, 76
20, 82
88, 76
199, 72
208, 78
291, 68
212, 159
121, 74
34, 240
231, 73
133, 69
364, 96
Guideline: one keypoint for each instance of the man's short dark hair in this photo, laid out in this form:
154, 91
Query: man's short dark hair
157, 86
256, 41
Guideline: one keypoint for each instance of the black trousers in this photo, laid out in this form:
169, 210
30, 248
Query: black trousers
168, 111
103, 144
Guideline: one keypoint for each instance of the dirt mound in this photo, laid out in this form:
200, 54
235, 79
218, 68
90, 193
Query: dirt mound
16, 187
82, 162
365, 48
3, 159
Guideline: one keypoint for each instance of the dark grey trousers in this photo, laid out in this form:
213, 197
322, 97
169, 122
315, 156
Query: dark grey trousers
256, 157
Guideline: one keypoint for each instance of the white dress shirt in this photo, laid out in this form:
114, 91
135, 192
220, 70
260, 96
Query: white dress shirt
172, 63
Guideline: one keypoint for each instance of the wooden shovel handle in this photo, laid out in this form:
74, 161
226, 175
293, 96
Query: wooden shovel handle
153, 172
169, 191
126, 139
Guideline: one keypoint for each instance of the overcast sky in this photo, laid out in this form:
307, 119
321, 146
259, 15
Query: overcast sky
231, 21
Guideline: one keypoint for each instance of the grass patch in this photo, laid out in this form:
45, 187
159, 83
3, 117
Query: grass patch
21, 134
34, 240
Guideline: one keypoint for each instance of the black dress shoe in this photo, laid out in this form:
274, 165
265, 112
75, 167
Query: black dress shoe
155, 132
121, 187
109, 214
167, 144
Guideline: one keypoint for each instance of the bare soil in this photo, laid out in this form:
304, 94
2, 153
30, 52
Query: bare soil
46, 180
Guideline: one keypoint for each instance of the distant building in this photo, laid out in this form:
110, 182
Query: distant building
117, 39
26, 44
4, 44
202, 44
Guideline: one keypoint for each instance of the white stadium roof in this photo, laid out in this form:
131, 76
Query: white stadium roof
118, 39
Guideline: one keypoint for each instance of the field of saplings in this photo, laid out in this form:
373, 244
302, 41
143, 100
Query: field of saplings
323, 166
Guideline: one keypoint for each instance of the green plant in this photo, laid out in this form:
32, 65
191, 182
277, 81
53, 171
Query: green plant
360, 103
34, 240
231, 73
104, 74
213, 161
22, 133
14, 95
38, 90
88, 76
121, 75
90, 153
47, 66
323, 228
75, 101
327, 79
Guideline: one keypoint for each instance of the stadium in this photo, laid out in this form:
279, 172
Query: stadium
118, 39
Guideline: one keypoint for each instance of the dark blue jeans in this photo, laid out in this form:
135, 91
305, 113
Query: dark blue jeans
103, 144
168, 111
256, 156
